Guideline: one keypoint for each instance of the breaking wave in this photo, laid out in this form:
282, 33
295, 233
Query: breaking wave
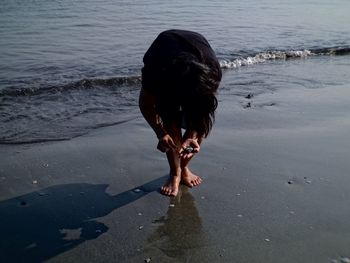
83, 84
282, 55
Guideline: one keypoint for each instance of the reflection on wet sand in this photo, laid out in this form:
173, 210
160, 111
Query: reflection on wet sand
179, 232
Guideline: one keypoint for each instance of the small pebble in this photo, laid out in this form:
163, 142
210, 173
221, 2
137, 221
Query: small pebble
141, 227
202, 197
188, 149
238, 194
42, 194
267, 240
308, 182
35, 182
137, 190
290, 182
140, 214
171, 205
148, 260
46, 165
291, 212
239, 215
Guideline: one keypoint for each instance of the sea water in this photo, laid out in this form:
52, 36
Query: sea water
67, 67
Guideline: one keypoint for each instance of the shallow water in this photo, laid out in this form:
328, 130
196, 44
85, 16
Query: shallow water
67, 68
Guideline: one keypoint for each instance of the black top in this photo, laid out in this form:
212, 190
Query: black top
167, 47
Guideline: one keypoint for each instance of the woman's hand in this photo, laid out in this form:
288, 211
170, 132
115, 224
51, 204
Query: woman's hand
166, 143
189, 148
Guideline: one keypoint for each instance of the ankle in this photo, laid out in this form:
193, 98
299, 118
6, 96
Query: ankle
185, 168
176, 171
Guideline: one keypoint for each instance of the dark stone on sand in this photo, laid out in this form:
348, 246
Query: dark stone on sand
248, 105
249, 96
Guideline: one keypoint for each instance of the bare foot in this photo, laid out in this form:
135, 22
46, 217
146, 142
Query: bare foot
189, 179
171, 188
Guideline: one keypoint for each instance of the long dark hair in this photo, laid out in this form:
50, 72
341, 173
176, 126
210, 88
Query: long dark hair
196, 84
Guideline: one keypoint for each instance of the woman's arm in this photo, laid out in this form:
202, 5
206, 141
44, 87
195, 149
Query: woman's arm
147, 107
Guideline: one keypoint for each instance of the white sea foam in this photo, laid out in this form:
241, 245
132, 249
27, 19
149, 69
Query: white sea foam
262, 57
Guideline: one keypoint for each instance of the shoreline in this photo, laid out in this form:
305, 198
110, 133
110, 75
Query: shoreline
275, 186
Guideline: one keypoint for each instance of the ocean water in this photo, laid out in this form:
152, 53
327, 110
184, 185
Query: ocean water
67, 67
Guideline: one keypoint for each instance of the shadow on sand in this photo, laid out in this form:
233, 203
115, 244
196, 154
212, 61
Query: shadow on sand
39, 225
179, 234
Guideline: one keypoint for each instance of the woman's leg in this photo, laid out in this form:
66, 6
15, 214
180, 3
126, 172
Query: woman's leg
187, 177
171, 188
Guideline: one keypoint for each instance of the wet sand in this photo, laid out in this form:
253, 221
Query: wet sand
276, 188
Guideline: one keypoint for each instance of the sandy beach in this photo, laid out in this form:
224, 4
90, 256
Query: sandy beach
275, 188
79, 170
